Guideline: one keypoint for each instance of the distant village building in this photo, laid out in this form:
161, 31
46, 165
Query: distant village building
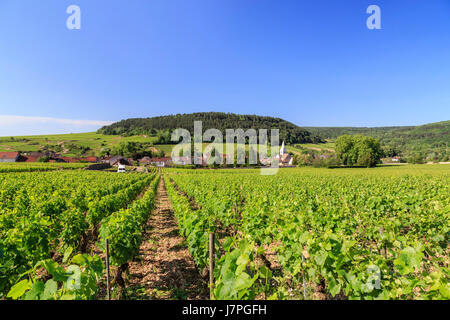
66, 159
182, 160
145, 161
284, 157
9, 156
116, 160
29, 158
161, 162
90, 159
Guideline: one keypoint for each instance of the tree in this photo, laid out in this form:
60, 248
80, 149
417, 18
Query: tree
344, 147
358, 150
416, 159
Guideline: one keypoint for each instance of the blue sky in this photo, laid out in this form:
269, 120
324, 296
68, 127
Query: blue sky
312, 62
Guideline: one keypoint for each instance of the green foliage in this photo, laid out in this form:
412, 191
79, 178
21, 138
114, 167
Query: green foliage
233, 273
77, 281
431, 141
358, 150
131, 149
416, 159
124, 228
44, 212
289, 132
355, 233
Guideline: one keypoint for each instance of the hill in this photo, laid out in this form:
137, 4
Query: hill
430, 140
289, 132
73, 144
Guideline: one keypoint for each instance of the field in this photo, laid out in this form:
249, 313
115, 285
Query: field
94, 141
305, 233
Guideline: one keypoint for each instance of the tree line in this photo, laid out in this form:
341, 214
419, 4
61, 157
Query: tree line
162, 126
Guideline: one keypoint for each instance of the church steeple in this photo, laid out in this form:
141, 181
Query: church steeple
283, 149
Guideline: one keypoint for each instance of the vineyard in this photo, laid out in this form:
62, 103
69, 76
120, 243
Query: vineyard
47, 217
319, 234
378, 233
39, 166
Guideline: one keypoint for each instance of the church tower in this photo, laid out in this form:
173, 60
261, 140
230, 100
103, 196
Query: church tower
283, 149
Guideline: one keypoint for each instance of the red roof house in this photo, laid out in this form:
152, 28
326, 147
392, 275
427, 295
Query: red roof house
9, 156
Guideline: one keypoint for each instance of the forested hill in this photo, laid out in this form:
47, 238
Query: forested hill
425, 139
289, 132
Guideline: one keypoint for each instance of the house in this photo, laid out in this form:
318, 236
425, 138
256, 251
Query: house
116, 160
30, 158
90, 159
161, 162
9, 156
286, 160
67, 159
182, 160
145, 161
105, 159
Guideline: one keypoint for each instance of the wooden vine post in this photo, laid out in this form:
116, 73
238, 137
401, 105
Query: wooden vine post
211, 265
108, 282
304, 282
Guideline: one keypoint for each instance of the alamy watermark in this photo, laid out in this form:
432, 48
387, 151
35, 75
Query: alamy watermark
374, 20
73, 22
189, 151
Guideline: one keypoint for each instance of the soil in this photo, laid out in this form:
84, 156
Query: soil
164, 269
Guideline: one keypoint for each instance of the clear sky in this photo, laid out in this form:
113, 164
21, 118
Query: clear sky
312, 62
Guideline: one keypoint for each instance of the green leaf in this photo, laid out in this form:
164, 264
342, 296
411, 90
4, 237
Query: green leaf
321, 257
74, 280
334, 287
79, 259
36, 290
19, 289
51, 286
408, 260
67, 254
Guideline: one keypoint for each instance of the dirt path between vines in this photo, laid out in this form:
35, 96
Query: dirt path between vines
164, 268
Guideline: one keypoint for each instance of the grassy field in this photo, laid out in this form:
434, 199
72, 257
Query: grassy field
95, 142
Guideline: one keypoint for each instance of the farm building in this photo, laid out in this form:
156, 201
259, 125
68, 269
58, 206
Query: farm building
68, 159
90, 159
182, 160
29, 158
161, 162
145, 161
9, 156
116, 160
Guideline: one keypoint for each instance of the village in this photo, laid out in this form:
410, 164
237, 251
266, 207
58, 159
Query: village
284, 158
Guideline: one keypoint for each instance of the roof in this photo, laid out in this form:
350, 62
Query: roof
160, 159
69, 159
9, 155
286, 157
90, 159
31, 158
